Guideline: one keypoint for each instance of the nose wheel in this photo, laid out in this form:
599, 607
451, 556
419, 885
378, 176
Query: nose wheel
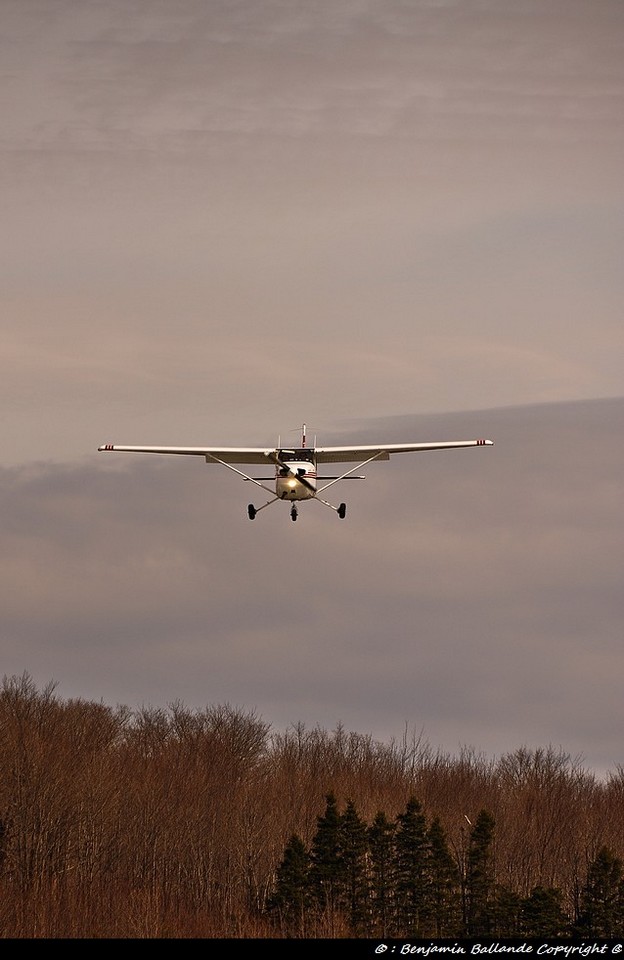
293, 512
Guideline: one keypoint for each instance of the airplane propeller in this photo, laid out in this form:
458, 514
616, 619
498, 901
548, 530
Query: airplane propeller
298, 474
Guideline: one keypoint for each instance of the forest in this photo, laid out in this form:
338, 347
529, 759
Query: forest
179, 823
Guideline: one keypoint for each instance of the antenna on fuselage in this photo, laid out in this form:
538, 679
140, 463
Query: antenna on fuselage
303, 435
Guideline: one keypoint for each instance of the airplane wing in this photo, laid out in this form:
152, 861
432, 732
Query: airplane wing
323, 454
348, 454
211, 454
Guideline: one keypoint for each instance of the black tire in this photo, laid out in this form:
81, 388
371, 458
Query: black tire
342, 511
251, 511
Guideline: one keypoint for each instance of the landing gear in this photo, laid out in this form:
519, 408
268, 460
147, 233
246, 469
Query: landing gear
252, 511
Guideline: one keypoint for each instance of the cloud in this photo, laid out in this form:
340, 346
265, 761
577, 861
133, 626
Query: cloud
223, 219
473, 595
417, 206
129, 75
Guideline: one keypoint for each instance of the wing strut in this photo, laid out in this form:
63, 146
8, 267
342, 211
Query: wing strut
210, 456
380, 453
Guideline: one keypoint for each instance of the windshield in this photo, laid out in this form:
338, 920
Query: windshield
299, 453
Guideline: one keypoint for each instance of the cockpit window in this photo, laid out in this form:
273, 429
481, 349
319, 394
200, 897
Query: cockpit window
299, 453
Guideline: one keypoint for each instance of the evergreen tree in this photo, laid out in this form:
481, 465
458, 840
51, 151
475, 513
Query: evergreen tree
444, 884
290, 898
411, 862
505, 912
602, 900
381, 843
327, 864
353, 851
541, 913
480, 877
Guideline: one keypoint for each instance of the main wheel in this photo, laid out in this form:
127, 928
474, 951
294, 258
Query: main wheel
342, 511
251, 511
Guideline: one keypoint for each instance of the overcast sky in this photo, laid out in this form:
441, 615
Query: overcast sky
395, 221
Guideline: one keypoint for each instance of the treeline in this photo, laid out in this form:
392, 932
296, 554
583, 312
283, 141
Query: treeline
400, 879
172, 823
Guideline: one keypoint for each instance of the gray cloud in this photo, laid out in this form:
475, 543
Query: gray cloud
471, 595
417, 204
222, 218
88, 73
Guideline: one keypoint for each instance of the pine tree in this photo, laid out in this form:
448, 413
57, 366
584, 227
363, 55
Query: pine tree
444, 884
381, 841
327, 865
290, 899
353, 851
602, 900
480, 877
505, 912
411, 862
541, 913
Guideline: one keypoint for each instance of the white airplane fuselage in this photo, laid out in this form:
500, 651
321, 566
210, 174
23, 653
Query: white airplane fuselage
301, 463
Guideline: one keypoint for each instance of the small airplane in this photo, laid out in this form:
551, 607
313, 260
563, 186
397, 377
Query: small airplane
295, 478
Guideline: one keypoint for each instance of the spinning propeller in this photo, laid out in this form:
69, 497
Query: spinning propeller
298, 474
